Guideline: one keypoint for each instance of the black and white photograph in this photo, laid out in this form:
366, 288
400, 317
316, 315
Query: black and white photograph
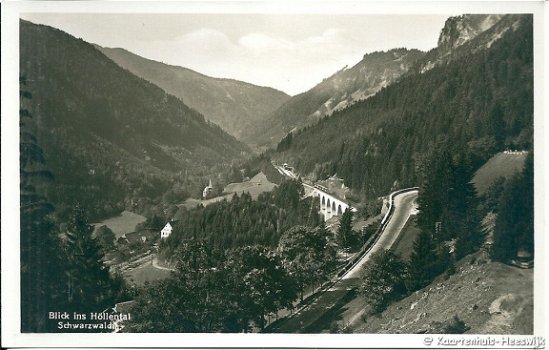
269, 170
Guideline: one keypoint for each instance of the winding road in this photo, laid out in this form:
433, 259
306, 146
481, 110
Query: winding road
404, 207
344, 289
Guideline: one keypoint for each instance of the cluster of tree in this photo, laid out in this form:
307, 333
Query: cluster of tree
448, 203
214, 291
514, 229
234, 290
387, 277
473, 103
308, 255
243, 221
384, 280
62, 274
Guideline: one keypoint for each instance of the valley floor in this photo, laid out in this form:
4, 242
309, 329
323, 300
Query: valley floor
122, 224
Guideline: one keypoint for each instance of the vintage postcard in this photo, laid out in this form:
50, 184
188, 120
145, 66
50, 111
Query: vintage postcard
273, 174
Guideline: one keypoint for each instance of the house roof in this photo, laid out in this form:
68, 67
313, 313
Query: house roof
133, 237
171, 222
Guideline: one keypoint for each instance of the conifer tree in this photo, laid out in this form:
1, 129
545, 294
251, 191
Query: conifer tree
91, 287
424, 262
41, 266
433, 197
515, 222
463, 205
346, 237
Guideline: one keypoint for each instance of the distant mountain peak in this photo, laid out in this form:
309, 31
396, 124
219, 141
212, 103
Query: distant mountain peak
467, 34
460, 29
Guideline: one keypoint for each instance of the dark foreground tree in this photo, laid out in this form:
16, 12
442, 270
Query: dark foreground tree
91, 287
105, 237
257, 285
191, 300
346, 237
514, 228
214, 291
383, 280
427, 261
42, 269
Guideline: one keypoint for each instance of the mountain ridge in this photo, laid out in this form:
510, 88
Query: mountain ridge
340, 90
232, 104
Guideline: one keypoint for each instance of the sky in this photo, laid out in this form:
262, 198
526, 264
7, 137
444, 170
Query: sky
291, 53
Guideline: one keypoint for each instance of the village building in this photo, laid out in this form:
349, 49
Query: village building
335, 186
207, 189
167, 230
142, 236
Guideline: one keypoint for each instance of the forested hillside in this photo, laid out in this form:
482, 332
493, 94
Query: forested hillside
234, 105
475, 105
111, 139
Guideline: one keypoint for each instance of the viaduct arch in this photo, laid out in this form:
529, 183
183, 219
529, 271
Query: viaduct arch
330, 206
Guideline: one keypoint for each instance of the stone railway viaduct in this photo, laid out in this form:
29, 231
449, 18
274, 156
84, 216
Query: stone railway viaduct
330, 206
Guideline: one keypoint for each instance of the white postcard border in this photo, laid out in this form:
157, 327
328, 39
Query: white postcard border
11, 335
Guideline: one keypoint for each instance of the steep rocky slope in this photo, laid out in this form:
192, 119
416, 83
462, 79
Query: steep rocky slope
489, 297
466, 34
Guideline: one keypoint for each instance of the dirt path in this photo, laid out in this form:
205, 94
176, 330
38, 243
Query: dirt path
155, 265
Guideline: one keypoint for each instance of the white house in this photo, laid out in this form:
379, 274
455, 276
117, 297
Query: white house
166, 231
207, 189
